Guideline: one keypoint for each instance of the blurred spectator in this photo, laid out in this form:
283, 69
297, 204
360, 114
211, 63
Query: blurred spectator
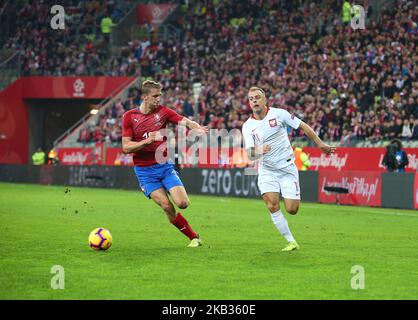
302, 161
346, 12
240, 158
395, 158
345, 138
106, 25
38, 158
401, 156
415, 130
188, 110
53, 157
406, 130
85, 135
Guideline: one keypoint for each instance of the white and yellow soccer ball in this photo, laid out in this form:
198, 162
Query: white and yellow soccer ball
100, 239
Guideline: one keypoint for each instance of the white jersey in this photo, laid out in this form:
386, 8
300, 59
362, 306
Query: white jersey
272, 130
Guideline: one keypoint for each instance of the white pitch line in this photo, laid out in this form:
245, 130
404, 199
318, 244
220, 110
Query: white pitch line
370, 211
365, 210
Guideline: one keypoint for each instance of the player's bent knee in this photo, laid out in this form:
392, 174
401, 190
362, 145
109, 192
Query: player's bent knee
292, 210
183, 204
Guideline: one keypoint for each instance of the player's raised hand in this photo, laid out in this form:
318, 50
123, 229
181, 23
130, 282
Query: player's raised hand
154, 136
201, 130
327, 149
266, 148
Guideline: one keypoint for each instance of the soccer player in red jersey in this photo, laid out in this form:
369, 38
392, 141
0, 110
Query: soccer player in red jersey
141, 136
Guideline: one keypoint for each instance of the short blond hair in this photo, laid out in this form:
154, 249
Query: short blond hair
257, 88
147, 85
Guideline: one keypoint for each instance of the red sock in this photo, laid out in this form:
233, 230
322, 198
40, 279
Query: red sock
181, 223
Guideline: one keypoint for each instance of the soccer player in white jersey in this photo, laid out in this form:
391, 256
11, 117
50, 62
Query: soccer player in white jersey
266, 139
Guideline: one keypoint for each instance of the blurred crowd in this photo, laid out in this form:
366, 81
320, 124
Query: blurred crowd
79, 49
349, 85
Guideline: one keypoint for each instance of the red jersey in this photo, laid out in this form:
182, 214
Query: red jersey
138, 125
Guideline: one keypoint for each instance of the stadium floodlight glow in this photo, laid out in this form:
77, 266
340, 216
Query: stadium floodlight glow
94, 111
197, 89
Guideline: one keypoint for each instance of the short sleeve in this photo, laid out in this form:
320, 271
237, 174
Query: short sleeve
126, 126
290, 119
248, 137
173, 116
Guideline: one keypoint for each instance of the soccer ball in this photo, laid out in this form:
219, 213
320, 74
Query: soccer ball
100, 239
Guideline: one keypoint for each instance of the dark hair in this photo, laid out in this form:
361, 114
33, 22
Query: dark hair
397, 142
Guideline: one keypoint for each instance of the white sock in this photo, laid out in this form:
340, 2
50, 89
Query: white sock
281, 224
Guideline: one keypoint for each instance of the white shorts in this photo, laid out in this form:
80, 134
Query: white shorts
284, 181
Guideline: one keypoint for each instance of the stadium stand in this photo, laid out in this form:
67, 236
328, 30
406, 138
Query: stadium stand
354, 87
79, 50
350, 86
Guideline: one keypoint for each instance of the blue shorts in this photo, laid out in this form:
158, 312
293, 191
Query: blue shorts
157, 176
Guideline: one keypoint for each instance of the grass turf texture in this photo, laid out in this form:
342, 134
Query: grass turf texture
43, 226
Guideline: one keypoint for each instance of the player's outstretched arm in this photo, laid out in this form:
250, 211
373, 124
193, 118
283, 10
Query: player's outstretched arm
193, 125
327, 149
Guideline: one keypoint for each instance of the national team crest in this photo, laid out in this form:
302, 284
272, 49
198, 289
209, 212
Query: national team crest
158, 117
273, 122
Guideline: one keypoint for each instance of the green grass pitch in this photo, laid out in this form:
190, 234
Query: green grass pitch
43, 226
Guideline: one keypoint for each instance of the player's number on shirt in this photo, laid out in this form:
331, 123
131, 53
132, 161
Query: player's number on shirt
158, 136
